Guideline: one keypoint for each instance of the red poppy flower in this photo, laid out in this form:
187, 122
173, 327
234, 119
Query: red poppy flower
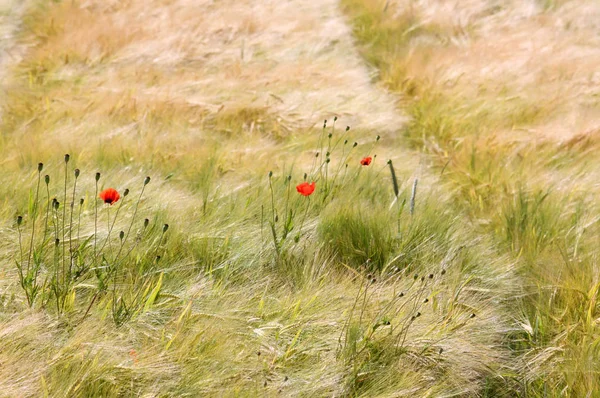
366, 161
110, 196
305, 188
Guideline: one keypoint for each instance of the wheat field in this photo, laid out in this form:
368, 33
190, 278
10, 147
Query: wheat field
345, 198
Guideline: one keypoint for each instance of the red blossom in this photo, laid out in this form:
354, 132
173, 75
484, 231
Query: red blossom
366, 161
110, 196
305, 188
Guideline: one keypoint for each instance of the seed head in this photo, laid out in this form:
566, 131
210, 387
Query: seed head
47, 179
430, 276
56, 242
67, 157
335, 118
426, 300
77, 173
121, 235
329, 135
80, 201
97, 176
270, 174
126, 192
146, 180
377, 138
19, 220
472, 316
165, 228
401, 294
40, 167
355, 145
347, 128
146, 222
443, 272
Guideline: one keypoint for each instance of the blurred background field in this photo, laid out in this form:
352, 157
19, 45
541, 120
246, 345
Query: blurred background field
474, 273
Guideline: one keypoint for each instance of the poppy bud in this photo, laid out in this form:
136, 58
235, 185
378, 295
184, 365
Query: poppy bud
335, 118
327, 160
426, 300
377, 138
97, 176
40, 167
80, 201
324, 122
440, 351
401, 294
289, 178
347, 128
418, 314
276, 218
270, 174
416, 276
369, 276
121, 235
47, 179
19, 220
126, 192
430, 276
422, 278
327, 154
165, 228
305, 176
373, 280
355, 145
77, 173
157, 259
472, 316
67, 157
56, 242
146, 180
443, 272
56, 205
317, 154
329, 135
146, 222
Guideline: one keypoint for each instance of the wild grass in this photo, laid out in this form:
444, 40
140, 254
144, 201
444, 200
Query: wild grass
499, 155
476, 279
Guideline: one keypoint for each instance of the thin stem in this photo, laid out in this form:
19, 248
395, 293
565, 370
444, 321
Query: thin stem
96, 219
47, 214
35, 205
71, 227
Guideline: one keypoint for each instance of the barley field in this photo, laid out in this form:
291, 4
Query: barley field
335, 198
